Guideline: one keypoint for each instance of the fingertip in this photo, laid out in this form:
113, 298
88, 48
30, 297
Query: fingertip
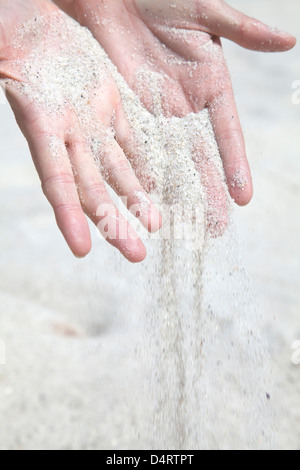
77, 236
134, 252
281, 42
218, 217
293, 41
289, 42
255, 35
127, 241
139, 257
242, 197
274, 40
82, 249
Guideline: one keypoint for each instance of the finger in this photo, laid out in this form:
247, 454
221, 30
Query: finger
134, 150
128, 172
52, 163
116, 168
229, 136
99, 206
120, 176
248, 32
213, 182
51, 160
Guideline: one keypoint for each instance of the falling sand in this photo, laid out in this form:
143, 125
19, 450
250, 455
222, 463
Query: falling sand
202, 347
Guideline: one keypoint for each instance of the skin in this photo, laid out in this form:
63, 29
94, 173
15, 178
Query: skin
72, 182
180, 43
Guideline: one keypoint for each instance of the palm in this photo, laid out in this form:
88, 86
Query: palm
178, 40
189, 61
189, 68
61, 146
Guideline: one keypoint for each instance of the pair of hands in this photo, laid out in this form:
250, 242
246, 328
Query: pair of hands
135, 32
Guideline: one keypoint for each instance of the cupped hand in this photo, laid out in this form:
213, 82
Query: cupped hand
180, 40
72, 176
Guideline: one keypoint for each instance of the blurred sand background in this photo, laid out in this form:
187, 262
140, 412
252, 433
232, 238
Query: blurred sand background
69, 381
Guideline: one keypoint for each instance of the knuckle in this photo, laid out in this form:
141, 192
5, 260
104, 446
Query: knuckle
92, 195
60, 179
119, 166
230, 134
242, 27
96, 189
67, 208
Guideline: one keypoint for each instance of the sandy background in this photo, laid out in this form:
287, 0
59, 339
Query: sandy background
69, 381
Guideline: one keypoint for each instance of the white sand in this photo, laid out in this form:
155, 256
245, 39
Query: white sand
69, 381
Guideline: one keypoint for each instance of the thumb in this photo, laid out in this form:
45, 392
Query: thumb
225, 21
6, 71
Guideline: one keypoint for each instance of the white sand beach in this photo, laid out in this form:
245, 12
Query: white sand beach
68, 379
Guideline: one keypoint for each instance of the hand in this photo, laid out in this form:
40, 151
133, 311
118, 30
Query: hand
180, 40
71, 180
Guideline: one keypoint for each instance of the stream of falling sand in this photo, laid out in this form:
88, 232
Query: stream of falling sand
202, 344
209, 379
